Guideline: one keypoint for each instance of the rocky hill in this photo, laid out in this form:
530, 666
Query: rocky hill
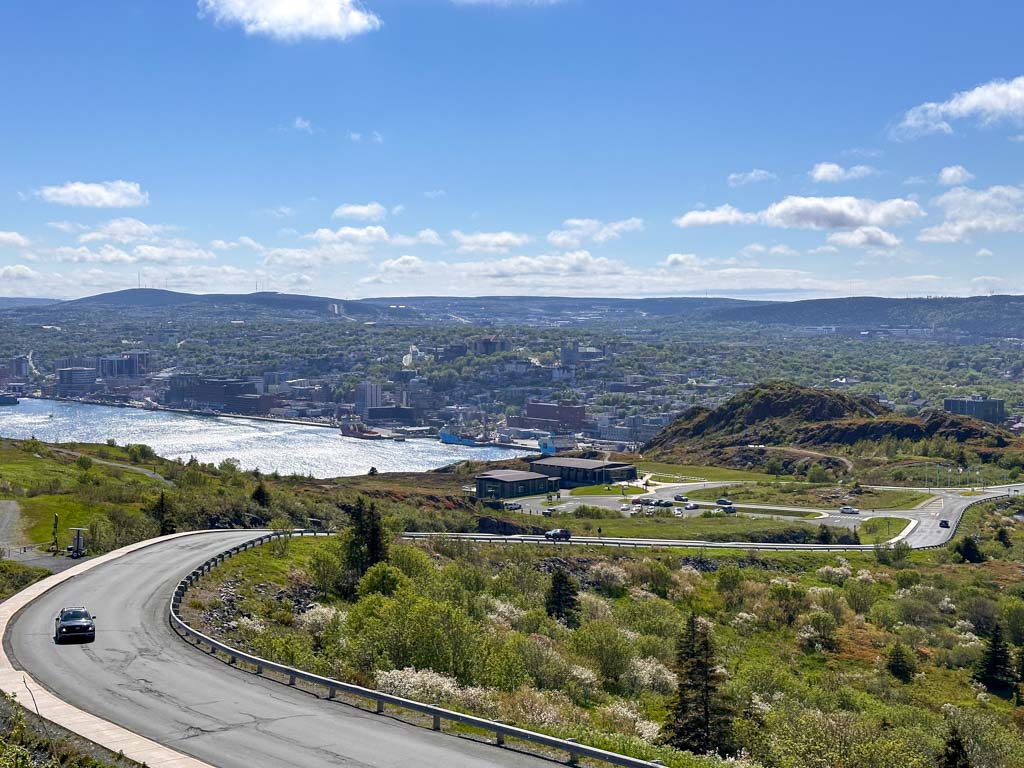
780, 415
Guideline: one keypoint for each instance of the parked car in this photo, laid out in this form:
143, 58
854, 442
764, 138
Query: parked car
943, 523
723, 502
728, 509
849, 511
680, 497
662, 503
692, 506
625, 508
677, 512
558, 534
74, 625
513, 505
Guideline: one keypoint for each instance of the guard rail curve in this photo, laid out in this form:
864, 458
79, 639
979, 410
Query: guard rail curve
262, 666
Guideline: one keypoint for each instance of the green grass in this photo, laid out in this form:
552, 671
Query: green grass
605, 490
707, 473
879, 529
37, 516
813, 496
725, 528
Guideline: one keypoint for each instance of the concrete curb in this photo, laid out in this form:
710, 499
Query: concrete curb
50, 707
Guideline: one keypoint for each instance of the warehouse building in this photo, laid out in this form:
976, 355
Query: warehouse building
577, 472
509, 483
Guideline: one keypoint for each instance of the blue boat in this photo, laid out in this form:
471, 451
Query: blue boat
8, 399
448, 437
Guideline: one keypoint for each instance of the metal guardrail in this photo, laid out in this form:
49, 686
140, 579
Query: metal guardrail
500, 730
956, 526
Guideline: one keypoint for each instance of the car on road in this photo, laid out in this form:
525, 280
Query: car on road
513, 505
625, 508
677, 512
943, 523
723, 502
74, 624
692, 506
728, 509
558, 534
849, 511
680, 497
662, 503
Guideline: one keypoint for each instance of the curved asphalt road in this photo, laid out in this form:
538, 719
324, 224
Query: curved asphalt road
142, 676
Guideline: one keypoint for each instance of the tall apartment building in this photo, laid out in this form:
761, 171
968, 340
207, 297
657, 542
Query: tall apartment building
77, 381
19, 368
979, 406
368, 395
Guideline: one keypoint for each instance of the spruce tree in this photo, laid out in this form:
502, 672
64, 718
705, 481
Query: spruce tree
996, 670
954, 753
261, 495
365, 542
164, 515
562, 603
900, 662
699, 719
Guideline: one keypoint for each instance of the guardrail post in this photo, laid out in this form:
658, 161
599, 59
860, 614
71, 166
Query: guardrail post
499, 738
259, 669
332, 692
574, 757
437, 722
291, 679
380, 707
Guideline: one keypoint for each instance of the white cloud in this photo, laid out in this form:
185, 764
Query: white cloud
969, 211
18, 272
280, 212
983, 253
750, 177
952, 175
104, 194
398, 210
723, 214
170, 253
865, 237
990, 103
13, 239
302, 125
434, 194
356, 235
124, 230
368, 212
423, 237
1019, 138
107, 254
682, 260
839, 212
833, 172
376, 137
355, 137
489, 242
293, 20
577, 230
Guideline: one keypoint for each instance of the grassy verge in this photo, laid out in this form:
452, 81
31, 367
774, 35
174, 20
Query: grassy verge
707, 473
814, 496
879, 529
606, 490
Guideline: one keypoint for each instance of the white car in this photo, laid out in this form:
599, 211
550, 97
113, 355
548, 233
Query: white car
849, 511
626, 508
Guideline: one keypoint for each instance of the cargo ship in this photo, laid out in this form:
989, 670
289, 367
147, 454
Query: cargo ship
450, 437
360, 430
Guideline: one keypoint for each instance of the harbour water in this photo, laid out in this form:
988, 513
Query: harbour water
269, 446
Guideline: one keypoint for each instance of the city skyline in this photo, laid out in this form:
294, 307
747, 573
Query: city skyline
561, 147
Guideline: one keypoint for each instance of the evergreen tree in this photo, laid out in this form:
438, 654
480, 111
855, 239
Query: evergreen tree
900, 662
1003, 537
825, 535
996, 670
164, 515
968, 549
261, 495
364, 543
562, 603
699, 718
954, 753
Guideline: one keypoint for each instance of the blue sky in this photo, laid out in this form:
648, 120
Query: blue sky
572, 147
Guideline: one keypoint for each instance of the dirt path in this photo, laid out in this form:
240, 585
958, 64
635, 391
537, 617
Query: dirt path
10, 524
129, 467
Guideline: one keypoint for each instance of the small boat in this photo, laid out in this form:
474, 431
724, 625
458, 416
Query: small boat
360, 430
448, 437
6, 398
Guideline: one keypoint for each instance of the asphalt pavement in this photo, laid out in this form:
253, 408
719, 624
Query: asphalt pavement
139, 674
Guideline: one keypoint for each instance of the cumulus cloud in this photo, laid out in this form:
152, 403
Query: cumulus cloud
302, 125
839, 212
368, 212
750, 177
434, 194
973, 211
18, 272
796, 212
489, 242
992, 102
356, 235
13, 239
833, 172
983, 253
675, 260
723, 214
952, 175
575, 231
423, 237
865, 237
292, 20
124, 230
103, 194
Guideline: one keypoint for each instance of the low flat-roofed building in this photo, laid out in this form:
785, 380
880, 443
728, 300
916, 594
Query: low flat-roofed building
576, 472
509, 483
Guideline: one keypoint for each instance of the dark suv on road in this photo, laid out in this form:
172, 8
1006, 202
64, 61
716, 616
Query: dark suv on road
558, 534
74, 625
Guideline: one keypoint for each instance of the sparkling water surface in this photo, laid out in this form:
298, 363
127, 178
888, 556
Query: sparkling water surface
265, 445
